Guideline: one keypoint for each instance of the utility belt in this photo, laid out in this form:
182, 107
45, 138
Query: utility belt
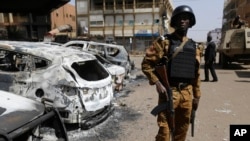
179, 85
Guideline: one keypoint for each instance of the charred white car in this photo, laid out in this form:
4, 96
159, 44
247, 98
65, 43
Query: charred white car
77, 82
117, 72
116, 54
21, 119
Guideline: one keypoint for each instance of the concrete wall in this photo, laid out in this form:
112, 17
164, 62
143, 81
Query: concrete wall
64, 15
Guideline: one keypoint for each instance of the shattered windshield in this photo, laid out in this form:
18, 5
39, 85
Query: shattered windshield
90, 70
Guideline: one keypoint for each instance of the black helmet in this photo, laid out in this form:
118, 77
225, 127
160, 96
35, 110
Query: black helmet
183, 9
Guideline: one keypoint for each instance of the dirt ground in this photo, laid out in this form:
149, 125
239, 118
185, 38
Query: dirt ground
223, 103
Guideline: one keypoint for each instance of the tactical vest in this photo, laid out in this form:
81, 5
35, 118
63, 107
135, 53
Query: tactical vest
182, 66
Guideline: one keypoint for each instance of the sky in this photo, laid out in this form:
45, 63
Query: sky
72, 2
208, 15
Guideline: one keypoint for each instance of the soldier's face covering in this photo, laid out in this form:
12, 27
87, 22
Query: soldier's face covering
182, 22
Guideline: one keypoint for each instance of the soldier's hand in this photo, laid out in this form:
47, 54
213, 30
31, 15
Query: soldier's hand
160, 88
195, 103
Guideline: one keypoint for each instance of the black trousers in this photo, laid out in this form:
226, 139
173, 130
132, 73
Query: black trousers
209, 66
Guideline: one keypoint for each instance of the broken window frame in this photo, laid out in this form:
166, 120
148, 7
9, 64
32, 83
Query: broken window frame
17, 61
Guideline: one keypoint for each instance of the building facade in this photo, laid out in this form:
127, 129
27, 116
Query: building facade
25, 26
233, 8
27, 20
216, 36
132, 23
64, 15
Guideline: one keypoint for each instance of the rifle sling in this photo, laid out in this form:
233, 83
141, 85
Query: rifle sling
180, 47
159, 108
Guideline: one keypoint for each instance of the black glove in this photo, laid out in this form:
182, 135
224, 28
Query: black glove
195, 103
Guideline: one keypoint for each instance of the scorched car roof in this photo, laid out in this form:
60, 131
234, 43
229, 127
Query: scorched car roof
47, 51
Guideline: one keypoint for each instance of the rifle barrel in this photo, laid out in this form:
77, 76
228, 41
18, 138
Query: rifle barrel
192, 122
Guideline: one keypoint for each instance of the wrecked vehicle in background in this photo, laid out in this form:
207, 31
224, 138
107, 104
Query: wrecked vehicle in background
52, 43
21, 119
77, 82
117, 72
116, 54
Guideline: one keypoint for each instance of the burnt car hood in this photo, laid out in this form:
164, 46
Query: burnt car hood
16, 111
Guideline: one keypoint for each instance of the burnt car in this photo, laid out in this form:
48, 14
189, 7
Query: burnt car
117, 72
21, 119
77, 82
116, 54
52, 43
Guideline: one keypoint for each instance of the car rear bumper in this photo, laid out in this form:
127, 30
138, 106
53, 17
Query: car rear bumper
87, 120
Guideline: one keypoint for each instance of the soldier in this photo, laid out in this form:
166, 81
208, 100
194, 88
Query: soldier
237, 22
183, 73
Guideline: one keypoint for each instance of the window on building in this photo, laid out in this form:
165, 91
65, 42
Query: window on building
144, 4
97, 5
96, 23
248, 34
118, 5
109, 4
131, 22
157, 3
129, 4
120, 22
156, 21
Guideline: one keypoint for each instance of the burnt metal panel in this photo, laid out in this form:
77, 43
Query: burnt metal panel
15, 111
11, 121
30, 6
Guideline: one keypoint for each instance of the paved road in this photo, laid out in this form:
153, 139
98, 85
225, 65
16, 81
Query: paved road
223, 103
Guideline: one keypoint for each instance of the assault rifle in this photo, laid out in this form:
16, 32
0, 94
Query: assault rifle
192, 122
161, 70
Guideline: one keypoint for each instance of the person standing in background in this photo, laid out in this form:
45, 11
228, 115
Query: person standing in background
210, 54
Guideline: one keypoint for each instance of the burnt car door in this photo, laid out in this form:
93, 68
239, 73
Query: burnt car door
119, 56
14, 72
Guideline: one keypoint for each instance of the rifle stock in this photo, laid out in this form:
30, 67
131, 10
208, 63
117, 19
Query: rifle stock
161, 71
